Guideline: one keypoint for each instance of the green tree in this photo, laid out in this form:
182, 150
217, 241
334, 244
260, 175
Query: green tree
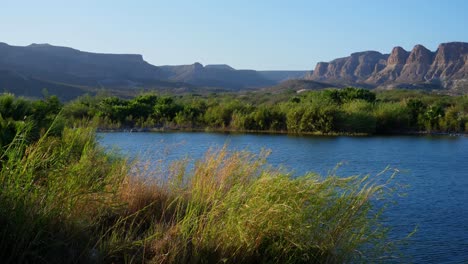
432, 116
416, 110
356, 117
294, 118
392, 117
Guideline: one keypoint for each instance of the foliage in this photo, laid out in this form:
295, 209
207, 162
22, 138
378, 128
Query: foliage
349, 111
15, 113
357, 117
349, 94
392, 117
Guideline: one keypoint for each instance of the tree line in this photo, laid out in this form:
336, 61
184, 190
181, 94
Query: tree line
332, 111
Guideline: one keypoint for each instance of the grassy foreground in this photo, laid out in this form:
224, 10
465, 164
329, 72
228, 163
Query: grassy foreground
64, 200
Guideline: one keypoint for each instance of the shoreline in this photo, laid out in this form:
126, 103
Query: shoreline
272, 132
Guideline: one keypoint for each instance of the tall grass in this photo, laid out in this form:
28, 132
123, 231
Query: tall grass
231, 208
52, 192
64, 200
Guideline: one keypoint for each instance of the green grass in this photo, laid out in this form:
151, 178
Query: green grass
232, 208
53, 191
64, 200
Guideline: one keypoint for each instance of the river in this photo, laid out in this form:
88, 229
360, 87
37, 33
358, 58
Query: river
434, 168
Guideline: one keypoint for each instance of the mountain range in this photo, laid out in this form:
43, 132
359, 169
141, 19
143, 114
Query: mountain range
39, 66
445, 69
68, 72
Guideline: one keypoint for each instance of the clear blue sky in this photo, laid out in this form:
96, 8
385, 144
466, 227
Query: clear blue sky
253, 34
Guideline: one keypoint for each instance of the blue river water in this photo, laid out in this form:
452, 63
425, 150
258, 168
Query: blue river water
434, 168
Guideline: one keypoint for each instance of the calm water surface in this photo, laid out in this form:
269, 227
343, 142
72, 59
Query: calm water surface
435, 168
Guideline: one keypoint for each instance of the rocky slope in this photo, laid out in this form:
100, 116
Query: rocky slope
446, 68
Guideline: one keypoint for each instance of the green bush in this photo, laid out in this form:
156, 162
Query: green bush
350, 110
357, 117
392, 117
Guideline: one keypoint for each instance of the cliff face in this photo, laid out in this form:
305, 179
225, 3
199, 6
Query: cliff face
450, 62
355, 68
392, 69
447, 67
417, 65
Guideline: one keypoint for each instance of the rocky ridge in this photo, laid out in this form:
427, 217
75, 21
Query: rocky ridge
446, 68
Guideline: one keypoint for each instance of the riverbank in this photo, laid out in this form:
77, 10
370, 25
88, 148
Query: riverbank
273, 132
349, 111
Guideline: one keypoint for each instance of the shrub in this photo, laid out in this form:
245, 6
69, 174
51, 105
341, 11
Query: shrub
392, 117
357, 117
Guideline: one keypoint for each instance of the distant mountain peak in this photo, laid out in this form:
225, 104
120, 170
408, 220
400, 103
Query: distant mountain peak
419, 47
398, 56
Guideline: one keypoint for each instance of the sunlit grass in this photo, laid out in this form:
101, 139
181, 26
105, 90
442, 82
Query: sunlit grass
232, 208
52, 192
64, 200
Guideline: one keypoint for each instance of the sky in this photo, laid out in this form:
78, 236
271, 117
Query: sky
246, 34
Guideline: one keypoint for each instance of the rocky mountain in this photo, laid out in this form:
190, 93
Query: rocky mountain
70, 72
446, 68
353, 69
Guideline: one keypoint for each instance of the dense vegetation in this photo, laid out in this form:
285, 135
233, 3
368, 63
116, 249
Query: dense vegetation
64, 200
17, 114
346, 111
